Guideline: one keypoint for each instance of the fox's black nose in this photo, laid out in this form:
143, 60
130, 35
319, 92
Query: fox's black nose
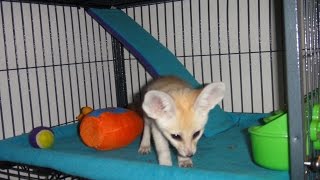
189, 155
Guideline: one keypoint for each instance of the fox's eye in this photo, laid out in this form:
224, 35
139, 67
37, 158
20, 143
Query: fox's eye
176, 137
196, 134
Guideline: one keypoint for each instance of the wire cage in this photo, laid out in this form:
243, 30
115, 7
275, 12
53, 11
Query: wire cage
55, 58
303, 83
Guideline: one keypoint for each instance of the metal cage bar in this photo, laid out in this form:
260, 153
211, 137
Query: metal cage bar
302, 66
23, 171
294, 57
120, 79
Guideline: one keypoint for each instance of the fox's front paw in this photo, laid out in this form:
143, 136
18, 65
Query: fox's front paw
165, 162
185, 163
144, 149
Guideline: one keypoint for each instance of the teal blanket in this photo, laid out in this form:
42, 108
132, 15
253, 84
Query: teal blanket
226, 155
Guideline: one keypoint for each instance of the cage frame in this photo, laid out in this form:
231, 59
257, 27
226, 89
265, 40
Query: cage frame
293, 57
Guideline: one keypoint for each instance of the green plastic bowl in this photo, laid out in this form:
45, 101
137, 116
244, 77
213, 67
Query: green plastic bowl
269, 143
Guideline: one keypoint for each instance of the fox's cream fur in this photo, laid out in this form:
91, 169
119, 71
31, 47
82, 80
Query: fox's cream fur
176, 113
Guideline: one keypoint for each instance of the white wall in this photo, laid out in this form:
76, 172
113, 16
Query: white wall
208, 39
54, 60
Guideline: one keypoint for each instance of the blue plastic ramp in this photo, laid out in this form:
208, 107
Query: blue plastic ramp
157, 59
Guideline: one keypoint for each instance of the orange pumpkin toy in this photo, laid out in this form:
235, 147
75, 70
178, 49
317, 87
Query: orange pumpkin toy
110, 128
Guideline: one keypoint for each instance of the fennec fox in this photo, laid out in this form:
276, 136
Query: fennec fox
175, 112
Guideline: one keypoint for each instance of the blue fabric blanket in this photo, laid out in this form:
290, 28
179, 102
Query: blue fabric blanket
226, 155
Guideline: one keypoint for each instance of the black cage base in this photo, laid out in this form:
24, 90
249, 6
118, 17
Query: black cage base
9, 170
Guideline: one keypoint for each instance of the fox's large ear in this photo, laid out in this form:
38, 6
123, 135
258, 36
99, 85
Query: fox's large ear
209, 97
158, 104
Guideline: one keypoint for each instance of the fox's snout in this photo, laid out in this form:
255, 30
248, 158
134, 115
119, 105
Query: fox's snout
187, 151
189, 154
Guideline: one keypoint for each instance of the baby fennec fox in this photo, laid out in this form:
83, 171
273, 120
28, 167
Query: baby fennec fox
175, 112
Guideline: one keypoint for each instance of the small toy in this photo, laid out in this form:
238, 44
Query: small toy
84, 111
109, 128
41, 137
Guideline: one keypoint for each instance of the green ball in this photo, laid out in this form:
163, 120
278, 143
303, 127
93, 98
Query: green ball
41, 137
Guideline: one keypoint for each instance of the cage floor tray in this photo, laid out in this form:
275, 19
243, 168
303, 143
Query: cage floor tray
224, 156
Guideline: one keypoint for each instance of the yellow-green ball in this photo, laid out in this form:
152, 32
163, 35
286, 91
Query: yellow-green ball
41, 137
